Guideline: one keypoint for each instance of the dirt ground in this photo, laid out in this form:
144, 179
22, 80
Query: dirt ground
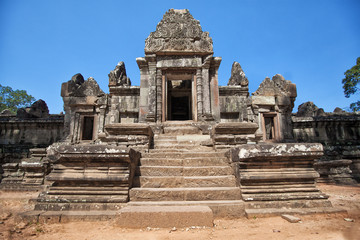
325, 226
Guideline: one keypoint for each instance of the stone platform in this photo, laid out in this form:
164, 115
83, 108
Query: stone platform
164, 216
89, 176
277, 178
183, 181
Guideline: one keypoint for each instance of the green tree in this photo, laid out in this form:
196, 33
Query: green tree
12, 100
351, 84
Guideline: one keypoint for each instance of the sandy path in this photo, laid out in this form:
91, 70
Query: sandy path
312, 227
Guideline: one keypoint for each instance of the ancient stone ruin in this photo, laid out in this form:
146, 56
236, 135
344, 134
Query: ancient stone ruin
178, 148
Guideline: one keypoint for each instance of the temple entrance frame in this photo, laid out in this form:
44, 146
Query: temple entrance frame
170, 75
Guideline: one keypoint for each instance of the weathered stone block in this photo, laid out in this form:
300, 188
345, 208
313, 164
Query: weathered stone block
165, 216
263, 100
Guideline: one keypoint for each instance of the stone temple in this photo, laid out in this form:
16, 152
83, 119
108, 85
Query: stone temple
179, 149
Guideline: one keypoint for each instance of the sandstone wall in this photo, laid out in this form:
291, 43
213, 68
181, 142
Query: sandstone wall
233, 103
18, 135
340, 135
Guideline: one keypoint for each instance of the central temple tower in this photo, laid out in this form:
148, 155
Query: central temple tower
179, 75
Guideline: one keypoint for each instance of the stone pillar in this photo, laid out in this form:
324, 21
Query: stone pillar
114, 111
151, 116
144, 91
158, 95
285, 123
67, 122
199, 83
77, 125
164, 98
206, 89
102, 119
214, 88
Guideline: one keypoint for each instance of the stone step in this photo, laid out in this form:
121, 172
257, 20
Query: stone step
77, 206
180, 138
185, 194
181, 130
284, 196
118, 187
163, 137
277, 183
120, 197
268, 176
220, 208
269, 212
286, 185
191, 147
159, 142
50, 217
281, 170
181, 150
278, 190
182, 155
185, 162
179, 123
184, 182
184, 171
164, 216
84, 192
288, 204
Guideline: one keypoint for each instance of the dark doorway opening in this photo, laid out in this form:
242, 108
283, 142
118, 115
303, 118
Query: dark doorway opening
179, 100
180, 108
88, 128
269, 128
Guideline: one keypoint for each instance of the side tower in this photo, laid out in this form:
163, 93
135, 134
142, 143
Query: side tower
179, 75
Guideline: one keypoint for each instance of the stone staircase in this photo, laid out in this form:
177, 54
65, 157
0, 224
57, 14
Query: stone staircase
181, 171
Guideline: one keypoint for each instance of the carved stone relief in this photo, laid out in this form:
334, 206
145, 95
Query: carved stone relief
178, 31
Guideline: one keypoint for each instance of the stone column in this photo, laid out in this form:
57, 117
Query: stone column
102, 118
206, 88
114, 111
77, 125
144, 84
164, 98
199, 83
152, 88
214, 88
68, 124
158, 95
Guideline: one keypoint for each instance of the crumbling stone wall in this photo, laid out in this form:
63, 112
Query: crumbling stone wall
339, 132
31, 127
234, 96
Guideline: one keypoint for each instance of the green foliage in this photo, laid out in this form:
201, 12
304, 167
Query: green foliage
12, 100
351, 84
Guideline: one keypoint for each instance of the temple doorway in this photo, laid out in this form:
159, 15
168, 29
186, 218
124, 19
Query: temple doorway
179, 97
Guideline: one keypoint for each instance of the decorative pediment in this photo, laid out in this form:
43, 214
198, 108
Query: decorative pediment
177, 32
277, 86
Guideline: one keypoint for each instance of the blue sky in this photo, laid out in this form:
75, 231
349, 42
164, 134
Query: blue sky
311, 43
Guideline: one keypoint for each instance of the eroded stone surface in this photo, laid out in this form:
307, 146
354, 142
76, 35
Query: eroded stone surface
237, 76
118, 76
